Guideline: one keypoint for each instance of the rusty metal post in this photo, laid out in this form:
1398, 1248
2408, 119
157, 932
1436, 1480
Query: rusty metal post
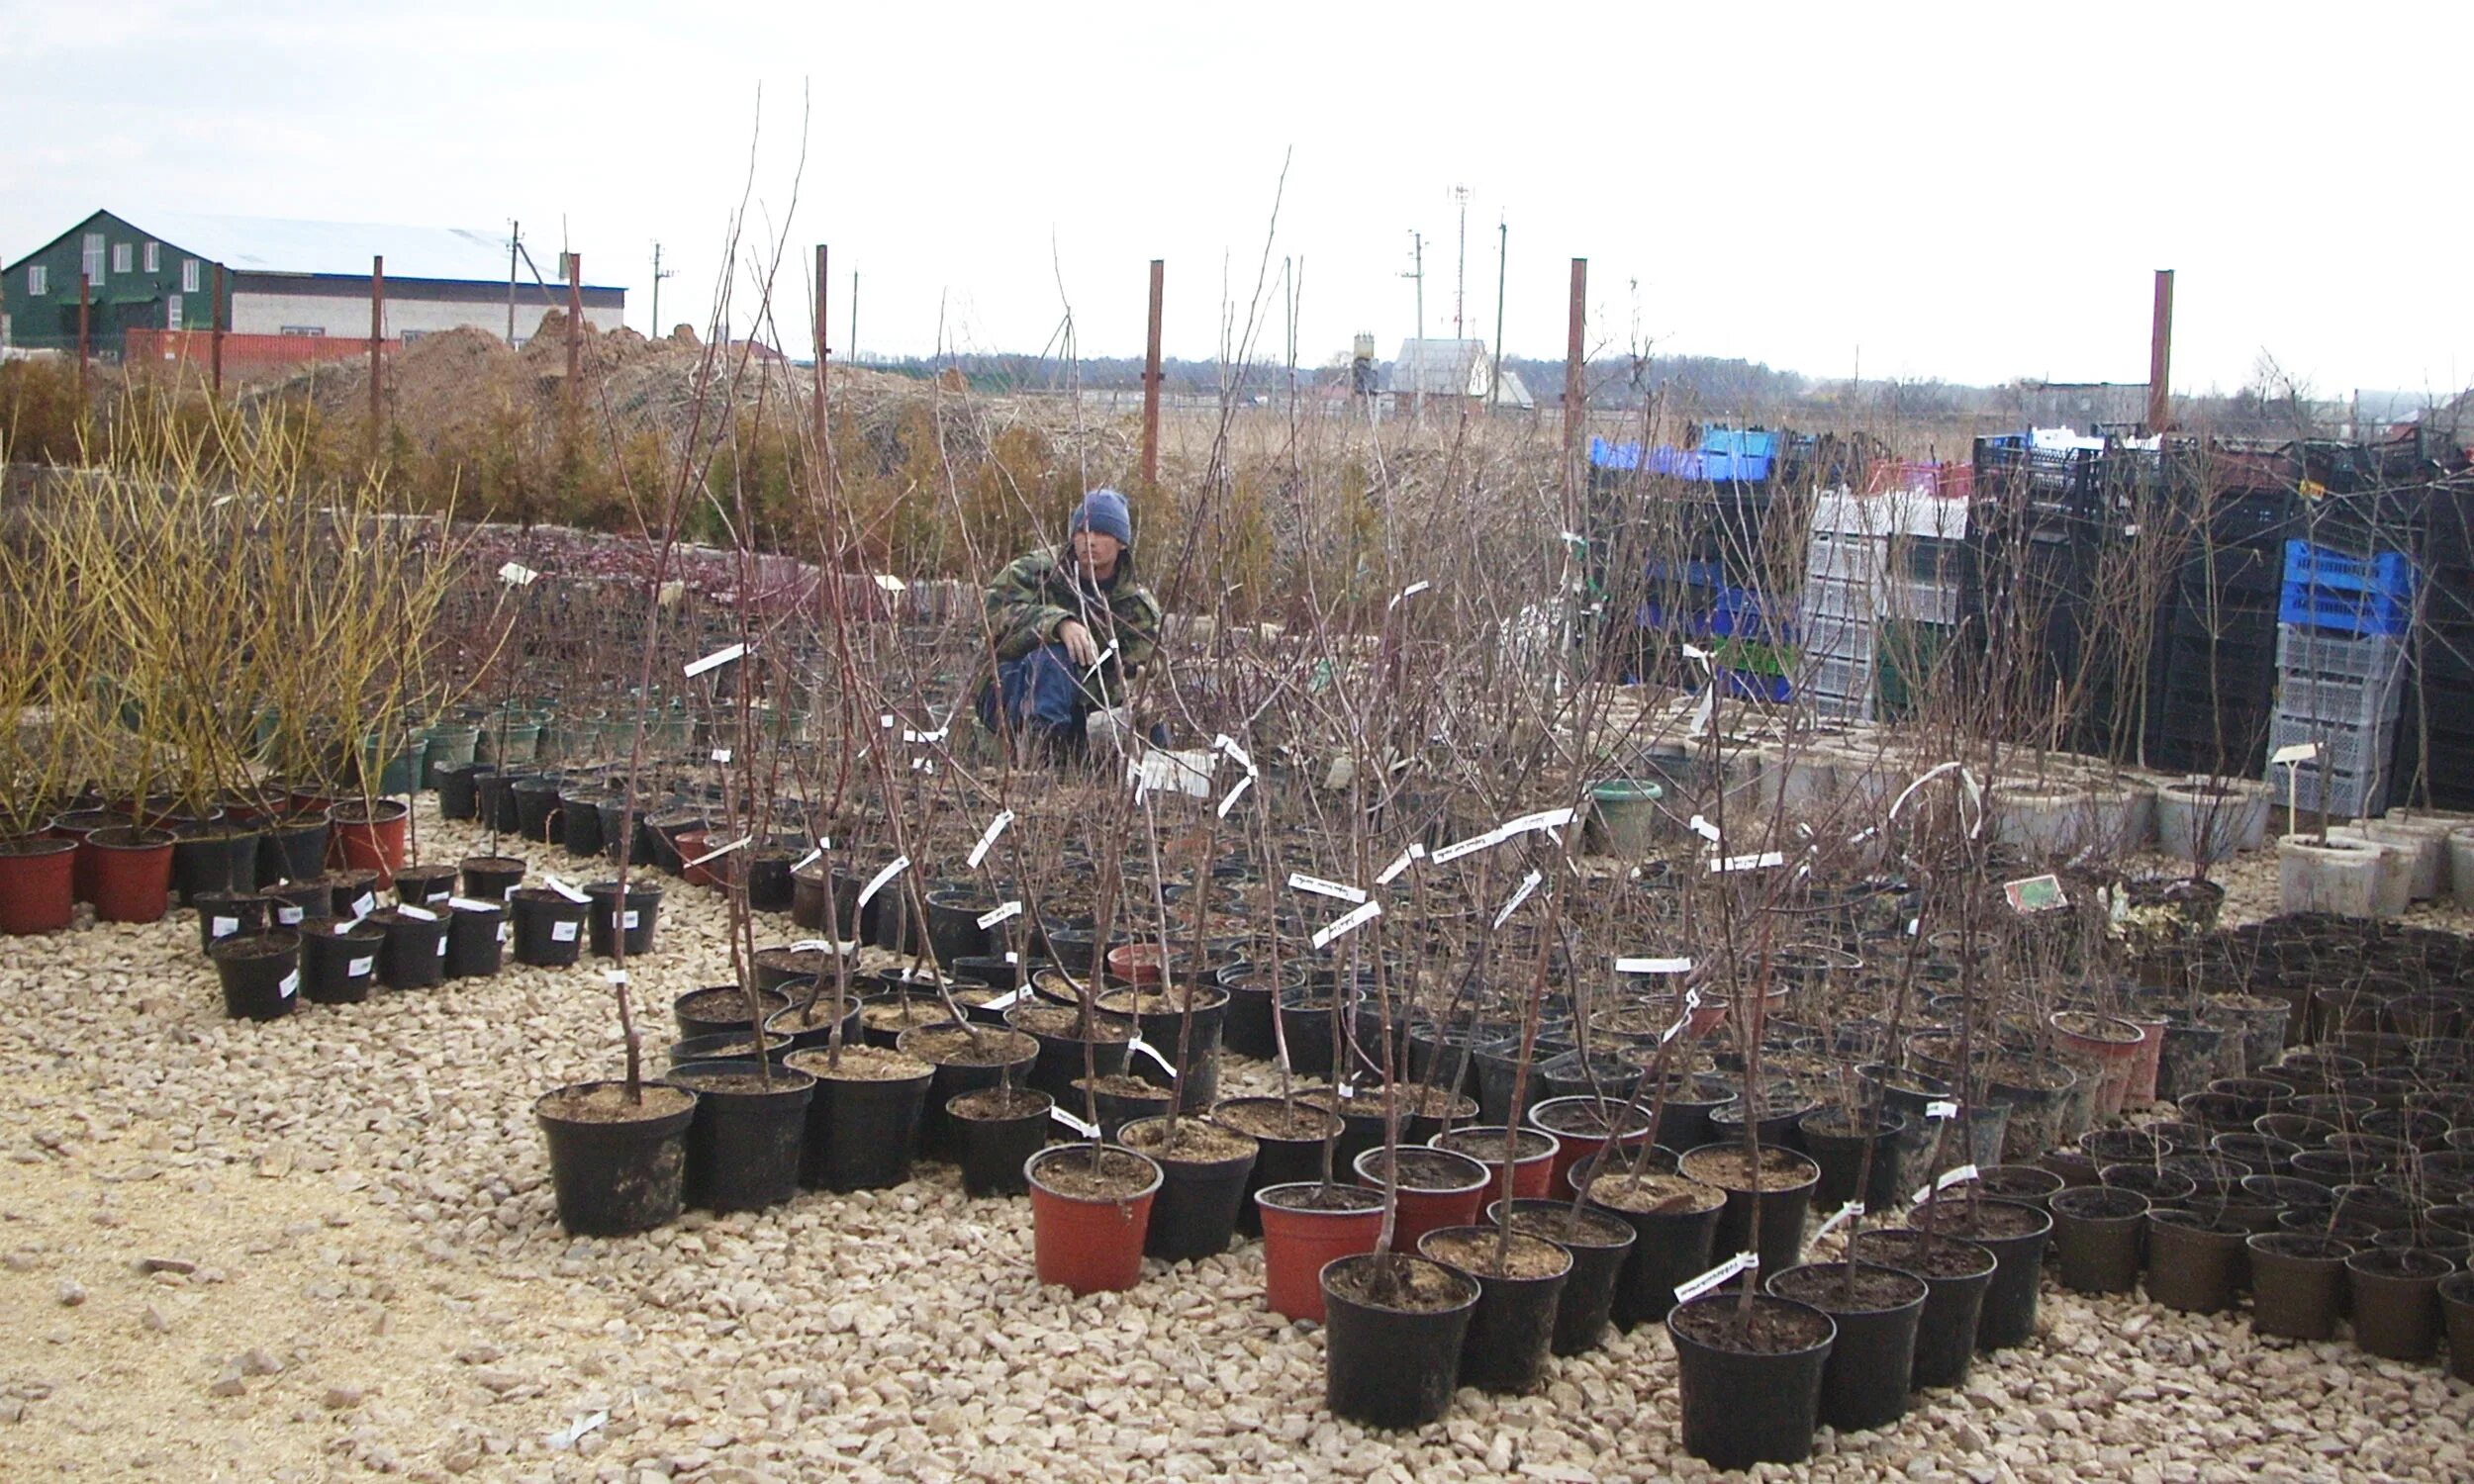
377, 361
214, 333
824, 430
1151, 383
575, 328
2160, 355
1575, 396
85, 342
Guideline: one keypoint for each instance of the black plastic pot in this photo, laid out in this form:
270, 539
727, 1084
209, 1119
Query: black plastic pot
2016, 1235
1741, 1406
580, 824
1601, 1243
219, 858
1279, 1159
717, 1009
289, 904
953, 924
1955, 1273
230, 914
1683, 1117
1162, 1020
549, 928
2296, 1283
616, 1167
1839, 1154
425, 886
2097, 1232
963, 1064
1194, 1215
1061, 1056
293, 848
1393, 1366
536, 805
995, 1142
2195, 1263
1669, 1246
1513, 1326
494, 800
414, 957
860, 1129
1864, 1384
1780, 1240
2394, 1294
2456, 1315
769, 880
458, 789
491, 877
743, 1144
476, 937
643, 913
339, 962
260, 974
1247, 1028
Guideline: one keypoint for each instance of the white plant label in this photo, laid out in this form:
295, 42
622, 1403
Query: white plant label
1949, 1177
721, 755
885, 721
290, 984
1228, 802
289, 917
517, 574
1087, 1130
1106, 656
892, 584
358, 969
506, 932
1342, 927
877, 882
1007, 1001
1460, 848
1528, 884
2299, 752
1761, 862
1692, 1003
365, 904
1301, 882
1405, 593
562, 888
989, 919
225, 927
938, 735
1740, 1262
1653, 966
1227, 744
741, 843
988, 838
418, 914
562, 932
808, 860
1543, 820
1695, 652
441, 945
435, 897
1153, 1051
1941, 1110
626, 921
714, 661
467, 904
615, 977
1845, 1214
1400, 862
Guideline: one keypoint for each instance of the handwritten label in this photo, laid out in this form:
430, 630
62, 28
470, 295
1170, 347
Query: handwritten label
989, 919
358, 969
1342, 927
1653, 966
1740, 1262
1087, 1130
1301, 882
1845, 1213
1528, 884
290, 984
877, 882
562, 932
562, 888
1949, 1177
1228, 801
741, 843
1400, 862
626, 921
988, 839
715, 660
1941, 1110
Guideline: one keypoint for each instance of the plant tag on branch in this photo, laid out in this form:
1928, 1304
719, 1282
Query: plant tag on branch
2298, 752
892, 584
1007, 1001
1692, 1003
1521, 894
991, 918
562, 888
1145, 1047
715, 660
1460, 848
722, 754
1740, 1262
877, 882
2036, 893
1762, 862
1298, 880
1106, 656
1845, 1214
1653, 966
1087, 1130
885, 721
517, 574
1229, 800
1405, 593
1704, 828
1941, 1110
1391, 873
741, 843
1342, 927
812, 856
418, 914
1949, 1177
988, 838
1543, 820
938, 735
1237, 755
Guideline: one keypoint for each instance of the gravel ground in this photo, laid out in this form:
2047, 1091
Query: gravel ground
325, 1245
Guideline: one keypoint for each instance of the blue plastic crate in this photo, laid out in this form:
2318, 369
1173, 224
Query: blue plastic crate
2329, 589
1608, 455
1740, 442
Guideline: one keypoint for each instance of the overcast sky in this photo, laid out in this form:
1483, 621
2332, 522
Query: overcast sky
1976, 192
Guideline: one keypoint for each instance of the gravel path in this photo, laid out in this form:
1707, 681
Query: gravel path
324, 1246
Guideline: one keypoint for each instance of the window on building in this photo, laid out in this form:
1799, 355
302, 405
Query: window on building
124, 257
409, 336
154, 257
171, 311
318, 330
38, 280
189, 276
91, 262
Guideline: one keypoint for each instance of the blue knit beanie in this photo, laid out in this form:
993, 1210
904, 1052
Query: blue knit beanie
1104, 511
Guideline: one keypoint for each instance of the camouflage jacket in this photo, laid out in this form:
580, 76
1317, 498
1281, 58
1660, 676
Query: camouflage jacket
1039, 591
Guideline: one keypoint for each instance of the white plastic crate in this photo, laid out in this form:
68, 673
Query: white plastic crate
1846, 558
1830, 598
1920, 602
2353, 764
2316, 651
1840, 639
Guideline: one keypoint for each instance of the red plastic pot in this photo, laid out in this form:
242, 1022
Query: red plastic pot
1298, 1245
2150, 1060
2108, 1043
691, 844
1431, 1204
1573, 1148
369, 836
76, 827
1135, 963
1532, 1174
133, 873
1088, 1245
38, 884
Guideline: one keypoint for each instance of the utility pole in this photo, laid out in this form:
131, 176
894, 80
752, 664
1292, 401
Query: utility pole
215, 323
1502, 248
575, 330
1151, 383
1575, 349
1460, 274
851, 348
515, 246
816, 412
2160, 355
85, 339
377, 362
1418, 348
659, 274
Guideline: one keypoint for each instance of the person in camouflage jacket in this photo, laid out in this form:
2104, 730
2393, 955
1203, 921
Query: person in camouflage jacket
1070, 626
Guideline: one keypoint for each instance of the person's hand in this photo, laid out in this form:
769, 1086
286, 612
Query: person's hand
1077, 642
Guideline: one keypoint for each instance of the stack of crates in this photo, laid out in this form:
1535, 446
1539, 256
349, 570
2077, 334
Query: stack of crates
2212, 690
2340, 659
1845, 572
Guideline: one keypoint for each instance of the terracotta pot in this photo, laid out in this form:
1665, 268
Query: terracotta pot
369, 836
133, 873
38, 884
1084, 1244
1297, 1242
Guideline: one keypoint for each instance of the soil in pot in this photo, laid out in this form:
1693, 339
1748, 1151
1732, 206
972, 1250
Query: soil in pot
2393, 1293
260, 974
2097, 1232
1784, 1191
1750, 1380
2298, 1283
864, 1119
616, 1165
1396, 1327
1091, 1204
1581, 1127
1520, 1284
1533, 1159
809, 1025
2016, 1236
717, 1008
1437, 1189
965, 1060
1289, 1140
1675, 1222
2195, 1263
1203, 1171
996, 1129
1599, 1245
491, 877
1878, 1311
1306, 1226
1955, 1273
1423, 1113
425, 886
1058, 1029
743, 1144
